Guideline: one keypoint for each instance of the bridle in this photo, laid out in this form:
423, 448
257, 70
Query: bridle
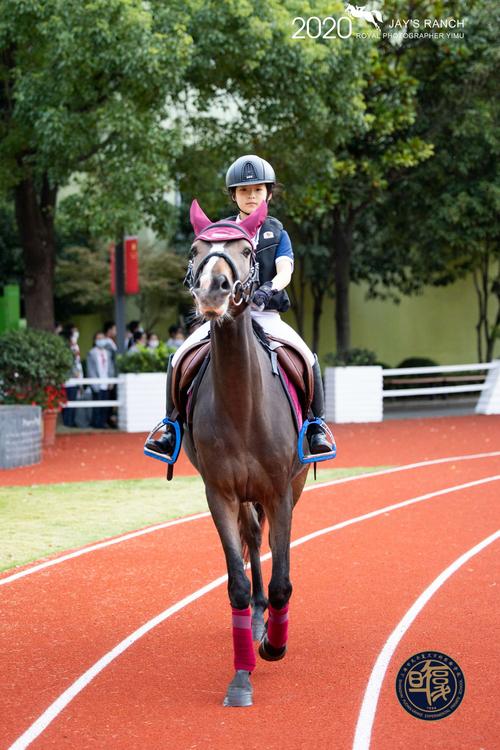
241, 291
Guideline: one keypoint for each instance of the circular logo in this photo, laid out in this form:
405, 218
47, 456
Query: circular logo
430, 685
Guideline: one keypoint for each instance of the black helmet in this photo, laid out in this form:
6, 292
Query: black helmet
250, 170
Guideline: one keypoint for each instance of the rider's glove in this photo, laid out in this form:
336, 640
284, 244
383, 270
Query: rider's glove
263, 295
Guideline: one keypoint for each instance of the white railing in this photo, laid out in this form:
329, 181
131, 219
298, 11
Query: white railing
90, 403
358, 394
436, 370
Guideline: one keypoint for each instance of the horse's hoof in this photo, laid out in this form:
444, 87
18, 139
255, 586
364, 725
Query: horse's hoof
271, 653
240, 691
258, 627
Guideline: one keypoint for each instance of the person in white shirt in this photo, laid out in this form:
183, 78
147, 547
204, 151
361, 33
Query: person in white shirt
100, 365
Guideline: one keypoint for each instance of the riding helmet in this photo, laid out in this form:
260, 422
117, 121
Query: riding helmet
250, 170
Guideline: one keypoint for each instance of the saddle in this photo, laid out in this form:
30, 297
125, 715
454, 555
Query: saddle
284, 357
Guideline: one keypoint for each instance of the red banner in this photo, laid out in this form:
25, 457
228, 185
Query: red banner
131, 265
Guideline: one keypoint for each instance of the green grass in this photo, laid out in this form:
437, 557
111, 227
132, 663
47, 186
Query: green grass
40, 520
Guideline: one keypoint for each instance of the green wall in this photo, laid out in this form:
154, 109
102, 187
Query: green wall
439, 323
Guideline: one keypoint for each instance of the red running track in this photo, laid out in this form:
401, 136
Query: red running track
118, 455
351, 587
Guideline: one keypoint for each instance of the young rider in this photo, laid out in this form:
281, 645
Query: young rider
250, 181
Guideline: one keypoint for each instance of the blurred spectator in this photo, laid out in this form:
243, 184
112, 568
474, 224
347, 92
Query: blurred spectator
132, 327
153, 341
70, 334
109, 330
58, 328
176, 336
139, 338
100, 365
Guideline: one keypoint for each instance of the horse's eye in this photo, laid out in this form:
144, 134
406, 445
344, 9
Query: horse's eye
247, 252
193, 253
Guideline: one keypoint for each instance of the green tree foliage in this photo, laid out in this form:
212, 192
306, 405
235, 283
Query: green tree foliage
295, 102
441, 223
161, 275
334, 116
11, 265
84, 94
161, 272
78, 292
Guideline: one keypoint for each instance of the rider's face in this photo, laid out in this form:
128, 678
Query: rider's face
249, 197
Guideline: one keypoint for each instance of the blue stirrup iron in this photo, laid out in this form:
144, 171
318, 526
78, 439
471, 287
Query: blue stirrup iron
314, 457
178, 440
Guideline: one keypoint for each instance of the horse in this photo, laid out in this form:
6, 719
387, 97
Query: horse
243, 442
359, 11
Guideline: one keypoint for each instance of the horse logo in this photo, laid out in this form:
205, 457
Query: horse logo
359, 11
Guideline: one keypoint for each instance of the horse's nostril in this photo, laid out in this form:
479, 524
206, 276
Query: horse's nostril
221, 283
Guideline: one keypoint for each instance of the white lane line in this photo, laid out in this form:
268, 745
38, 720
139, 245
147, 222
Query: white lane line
405, 467
99, 545
67, 696
366, 716
150, 529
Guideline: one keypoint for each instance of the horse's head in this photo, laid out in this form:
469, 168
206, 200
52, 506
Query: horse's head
222, 269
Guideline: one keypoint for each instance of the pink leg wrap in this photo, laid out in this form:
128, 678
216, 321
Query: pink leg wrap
244, 654
277, 626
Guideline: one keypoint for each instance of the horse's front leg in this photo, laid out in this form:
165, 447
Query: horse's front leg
273, 645
225, 514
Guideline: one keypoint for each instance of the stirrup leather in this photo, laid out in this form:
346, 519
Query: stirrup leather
313, 457
178, 439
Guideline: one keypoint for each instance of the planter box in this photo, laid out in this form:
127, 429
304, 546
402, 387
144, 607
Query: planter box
489, 400
354, 394
20, 436
141, 399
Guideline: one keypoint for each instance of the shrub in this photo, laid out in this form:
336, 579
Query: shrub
417, 362
146, 360
33, 368
352, 357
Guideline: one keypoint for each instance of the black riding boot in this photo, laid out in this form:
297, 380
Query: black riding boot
316, 434
166, 444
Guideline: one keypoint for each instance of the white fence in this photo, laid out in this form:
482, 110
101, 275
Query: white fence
352, 394
356, 394
90, 404
140, 402
430, 390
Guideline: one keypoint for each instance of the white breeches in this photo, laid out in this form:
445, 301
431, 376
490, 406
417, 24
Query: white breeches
272, 324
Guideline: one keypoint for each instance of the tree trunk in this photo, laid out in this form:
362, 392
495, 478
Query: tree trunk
35, 221
479, 324
342, 249
494, 332
318, 296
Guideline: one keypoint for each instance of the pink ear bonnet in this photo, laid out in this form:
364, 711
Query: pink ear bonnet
224, 230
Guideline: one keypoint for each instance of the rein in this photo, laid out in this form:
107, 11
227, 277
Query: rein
242, 288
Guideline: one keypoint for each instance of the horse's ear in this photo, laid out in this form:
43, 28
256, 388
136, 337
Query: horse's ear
256, 219
199, 219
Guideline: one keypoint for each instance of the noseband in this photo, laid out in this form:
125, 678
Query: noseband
242, 290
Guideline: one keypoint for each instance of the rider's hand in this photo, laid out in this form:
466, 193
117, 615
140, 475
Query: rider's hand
263, 295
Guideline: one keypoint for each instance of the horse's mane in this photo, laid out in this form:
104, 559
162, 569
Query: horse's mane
260, 333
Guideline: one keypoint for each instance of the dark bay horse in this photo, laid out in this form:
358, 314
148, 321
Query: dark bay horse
243, 442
